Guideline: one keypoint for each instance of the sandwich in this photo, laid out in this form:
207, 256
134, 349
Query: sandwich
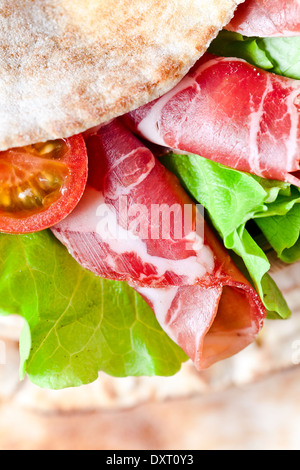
148, 154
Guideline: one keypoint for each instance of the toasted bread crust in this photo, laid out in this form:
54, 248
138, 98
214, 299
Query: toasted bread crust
69, 65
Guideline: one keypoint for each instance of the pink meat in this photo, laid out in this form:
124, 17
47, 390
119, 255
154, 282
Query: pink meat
228, 111
210, 324
119, 225
198, 295
267, 18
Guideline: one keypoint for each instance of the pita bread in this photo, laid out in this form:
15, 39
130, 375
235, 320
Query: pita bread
69, 65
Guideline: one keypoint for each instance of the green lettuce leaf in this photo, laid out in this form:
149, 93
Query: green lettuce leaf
232, 199
277, 55
282, 227
77, 324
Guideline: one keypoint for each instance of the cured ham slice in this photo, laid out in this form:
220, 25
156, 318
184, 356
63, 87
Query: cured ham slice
197, 293
228, 111
267, 18
210, 324
135, 223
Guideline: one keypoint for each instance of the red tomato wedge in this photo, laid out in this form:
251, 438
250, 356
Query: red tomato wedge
41, 184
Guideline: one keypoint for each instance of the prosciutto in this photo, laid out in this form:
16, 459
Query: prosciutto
198, 295
229, 111
267, 18
209, 324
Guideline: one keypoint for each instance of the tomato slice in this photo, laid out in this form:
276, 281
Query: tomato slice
41, 184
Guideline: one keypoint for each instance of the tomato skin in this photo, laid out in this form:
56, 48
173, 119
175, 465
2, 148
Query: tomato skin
76, 161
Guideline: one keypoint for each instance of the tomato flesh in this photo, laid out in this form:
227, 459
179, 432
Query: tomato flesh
41, 184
